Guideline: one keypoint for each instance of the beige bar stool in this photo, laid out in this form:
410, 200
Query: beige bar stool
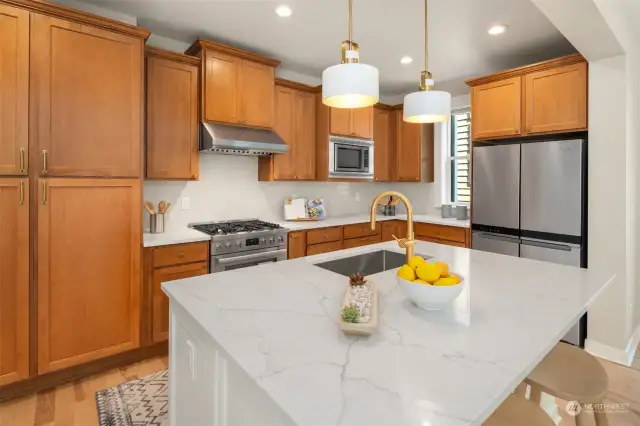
517, 411
572, 374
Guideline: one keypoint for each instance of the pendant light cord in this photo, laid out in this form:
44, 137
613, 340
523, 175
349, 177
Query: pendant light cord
350, 22
426, 38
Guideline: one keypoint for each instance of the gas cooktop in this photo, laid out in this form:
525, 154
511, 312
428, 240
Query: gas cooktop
235, 227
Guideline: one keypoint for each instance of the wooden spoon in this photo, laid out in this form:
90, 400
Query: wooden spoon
162, 207
149, 206
166, 207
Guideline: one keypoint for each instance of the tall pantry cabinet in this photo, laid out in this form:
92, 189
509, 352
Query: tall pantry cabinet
71, 140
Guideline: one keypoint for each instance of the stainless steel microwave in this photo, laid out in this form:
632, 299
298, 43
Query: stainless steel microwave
350, 158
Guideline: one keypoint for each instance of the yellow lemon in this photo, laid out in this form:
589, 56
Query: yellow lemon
446, 281
406, 272
455, 278
444, 268
422, 282
416, 261
428, 272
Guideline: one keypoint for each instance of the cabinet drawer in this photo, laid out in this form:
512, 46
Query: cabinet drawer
324, 235
324, 248
364, 241
360, 230
180, 253
437, 241
440, 232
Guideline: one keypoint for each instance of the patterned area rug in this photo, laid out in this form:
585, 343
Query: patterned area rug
140, 402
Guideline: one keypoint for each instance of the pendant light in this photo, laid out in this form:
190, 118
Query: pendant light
350, 84
426, 105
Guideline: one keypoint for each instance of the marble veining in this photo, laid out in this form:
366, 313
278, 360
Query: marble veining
279, 322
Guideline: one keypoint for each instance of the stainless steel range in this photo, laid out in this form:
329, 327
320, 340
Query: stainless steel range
242, 243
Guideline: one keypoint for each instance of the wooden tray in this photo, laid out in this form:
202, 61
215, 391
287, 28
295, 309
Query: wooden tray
304, 219
358, 329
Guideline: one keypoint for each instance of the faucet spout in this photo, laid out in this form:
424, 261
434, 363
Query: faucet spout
408, 242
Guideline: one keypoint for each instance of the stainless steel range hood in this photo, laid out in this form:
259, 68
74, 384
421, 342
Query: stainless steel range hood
225, 139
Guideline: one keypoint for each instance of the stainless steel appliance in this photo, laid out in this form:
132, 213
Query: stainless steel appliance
529, 201
239, 244
219, 138
350, 158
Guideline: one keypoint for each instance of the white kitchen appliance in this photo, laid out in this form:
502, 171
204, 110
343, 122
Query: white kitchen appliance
350, 158
529, 200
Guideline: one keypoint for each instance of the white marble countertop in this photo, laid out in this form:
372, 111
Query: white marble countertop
347, 220
186, 235
278, 322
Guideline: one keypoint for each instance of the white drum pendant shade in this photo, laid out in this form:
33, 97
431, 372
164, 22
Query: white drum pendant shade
350, 85
429, 106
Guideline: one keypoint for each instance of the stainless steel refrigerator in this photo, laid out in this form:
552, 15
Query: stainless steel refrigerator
529, 200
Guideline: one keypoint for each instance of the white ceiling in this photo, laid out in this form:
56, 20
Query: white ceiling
309, 40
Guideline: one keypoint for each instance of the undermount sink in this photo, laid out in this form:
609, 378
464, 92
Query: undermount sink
366, 263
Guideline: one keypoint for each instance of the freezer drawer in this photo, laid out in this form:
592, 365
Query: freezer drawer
496, 186
495, 243
563, 254
552, 187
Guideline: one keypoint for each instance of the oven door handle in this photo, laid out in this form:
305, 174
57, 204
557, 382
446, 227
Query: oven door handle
266, 255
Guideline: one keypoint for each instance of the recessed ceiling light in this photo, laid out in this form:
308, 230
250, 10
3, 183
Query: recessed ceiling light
498, 29
406, 60
283, 10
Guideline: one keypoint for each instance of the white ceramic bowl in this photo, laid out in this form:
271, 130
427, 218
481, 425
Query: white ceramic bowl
431, 297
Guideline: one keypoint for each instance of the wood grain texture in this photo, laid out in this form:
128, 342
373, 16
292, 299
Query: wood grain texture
363, 241
284, 165
257, 94
86, 99
305, 136
381, 141
172, 119
296, 86
199, 45
408, 150
177, 254
441, 232
556, 99
362, 122
160, 323
297, 244
90, 309
324, 235
170, 55
221, 87
496, 108
340, 123
429, 172
360, 230
391, 228
14, 95
324, 248
323, 114
14, 280
521, 71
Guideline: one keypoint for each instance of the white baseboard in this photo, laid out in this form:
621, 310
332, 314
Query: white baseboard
619, 356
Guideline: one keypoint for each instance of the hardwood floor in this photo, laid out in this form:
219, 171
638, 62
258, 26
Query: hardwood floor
74, 404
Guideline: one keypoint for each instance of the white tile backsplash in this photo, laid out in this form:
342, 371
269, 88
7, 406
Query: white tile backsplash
229, 189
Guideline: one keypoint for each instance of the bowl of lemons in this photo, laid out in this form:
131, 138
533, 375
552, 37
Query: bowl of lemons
429, 285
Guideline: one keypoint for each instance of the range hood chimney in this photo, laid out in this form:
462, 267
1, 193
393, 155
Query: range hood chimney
226, 139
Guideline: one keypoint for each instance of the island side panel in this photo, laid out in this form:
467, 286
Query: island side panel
206, 387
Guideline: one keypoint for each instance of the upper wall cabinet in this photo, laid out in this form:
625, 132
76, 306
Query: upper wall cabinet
356, 122
544, 98
86, 99
171, 115
14, 90
408, 149
382, 144
295, 122
237, 86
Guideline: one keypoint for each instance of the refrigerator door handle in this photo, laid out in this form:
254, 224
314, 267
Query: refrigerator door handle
551, 246
508, 239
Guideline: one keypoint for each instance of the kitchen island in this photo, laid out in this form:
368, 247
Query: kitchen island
261, 345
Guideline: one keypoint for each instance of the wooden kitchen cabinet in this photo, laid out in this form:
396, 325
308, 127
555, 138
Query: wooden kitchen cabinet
497, 109
160, 303
295, 123
442, 234
556, 99
14, 95
86, 99
171, 115
324, 248
87, 269
297, 244
14, 279
381, 145
391, 228
352, 122
408, 158
238, 86
360, 242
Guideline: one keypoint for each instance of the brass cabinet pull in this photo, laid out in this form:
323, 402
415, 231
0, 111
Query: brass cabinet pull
21, 192
44, 192
44, 162
22, 168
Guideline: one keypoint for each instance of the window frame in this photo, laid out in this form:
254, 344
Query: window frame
448, 196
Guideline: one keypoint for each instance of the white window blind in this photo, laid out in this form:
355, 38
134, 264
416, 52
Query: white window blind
458, 158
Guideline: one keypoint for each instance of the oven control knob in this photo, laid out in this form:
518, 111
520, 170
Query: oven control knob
227, 245
239, 243
262, 240
218, 246
271, 240
280, 239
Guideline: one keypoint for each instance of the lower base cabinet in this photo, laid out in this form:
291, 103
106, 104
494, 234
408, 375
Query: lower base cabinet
88, 270
168, 263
